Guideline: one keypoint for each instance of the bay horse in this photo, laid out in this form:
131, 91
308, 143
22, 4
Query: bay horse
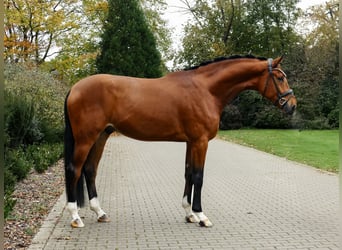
183, 106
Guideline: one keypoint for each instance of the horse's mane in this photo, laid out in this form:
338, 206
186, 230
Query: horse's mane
223, 58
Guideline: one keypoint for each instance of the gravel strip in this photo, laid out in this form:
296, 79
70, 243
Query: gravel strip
35, 196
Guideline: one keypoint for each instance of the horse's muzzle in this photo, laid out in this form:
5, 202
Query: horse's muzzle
290, 109
290, 106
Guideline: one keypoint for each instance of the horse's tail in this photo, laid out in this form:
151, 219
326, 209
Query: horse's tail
69, 146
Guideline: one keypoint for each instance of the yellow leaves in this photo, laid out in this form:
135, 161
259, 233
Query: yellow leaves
55, 20
219, 49
96, 11
31, 25
96, 6
323, 20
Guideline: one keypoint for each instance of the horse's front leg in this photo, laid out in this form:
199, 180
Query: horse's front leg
197, 159
186, 203
197, 178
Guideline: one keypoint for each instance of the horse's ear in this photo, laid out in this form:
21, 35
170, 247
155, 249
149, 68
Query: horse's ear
277, 61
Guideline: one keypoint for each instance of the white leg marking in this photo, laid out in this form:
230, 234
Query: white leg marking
76, 219
186, 206
201, 216
95, 206
204, 221
189, 215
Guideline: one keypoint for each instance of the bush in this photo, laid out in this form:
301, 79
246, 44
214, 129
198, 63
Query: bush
272, 118
318, 123
44, 155
10, 180
18, 163
46, 93
34, 103
9, 185
333, 118
21, 124
230, 118
9, 203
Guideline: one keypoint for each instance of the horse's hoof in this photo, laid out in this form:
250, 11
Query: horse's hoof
192, 219
205, 223
77, 223
103, 218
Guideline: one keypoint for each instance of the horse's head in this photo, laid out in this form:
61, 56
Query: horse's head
277, 89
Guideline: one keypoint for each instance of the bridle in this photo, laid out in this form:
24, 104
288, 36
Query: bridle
281, 96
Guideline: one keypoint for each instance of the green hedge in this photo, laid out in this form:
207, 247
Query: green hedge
34, 126
44, 91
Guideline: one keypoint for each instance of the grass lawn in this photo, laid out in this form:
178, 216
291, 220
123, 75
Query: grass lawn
318, 148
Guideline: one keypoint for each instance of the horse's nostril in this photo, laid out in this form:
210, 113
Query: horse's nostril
292, 110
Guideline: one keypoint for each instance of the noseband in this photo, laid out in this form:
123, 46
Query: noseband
281, 96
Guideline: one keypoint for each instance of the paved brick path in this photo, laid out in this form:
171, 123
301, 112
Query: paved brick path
255, 200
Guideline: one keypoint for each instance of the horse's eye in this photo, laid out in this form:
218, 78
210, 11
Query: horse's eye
281, 79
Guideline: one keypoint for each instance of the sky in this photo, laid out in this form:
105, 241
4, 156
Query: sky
176, 18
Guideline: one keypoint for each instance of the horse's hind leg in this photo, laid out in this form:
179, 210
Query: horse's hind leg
90, 171
74, 183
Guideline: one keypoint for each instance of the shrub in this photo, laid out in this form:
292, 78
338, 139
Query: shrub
18, 163
21, 124
10, 180
9, 185
230, 118
44, 155
8, 204
333, 118
318, 123
272, 118
33, 115
46, 93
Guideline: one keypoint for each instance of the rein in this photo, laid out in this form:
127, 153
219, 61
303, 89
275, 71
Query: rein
281, 96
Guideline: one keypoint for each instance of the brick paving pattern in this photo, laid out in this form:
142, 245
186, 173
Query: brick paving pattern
255, 201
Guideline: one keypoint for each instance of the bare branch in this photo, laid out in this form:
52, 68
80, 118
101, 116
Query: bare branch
192, 10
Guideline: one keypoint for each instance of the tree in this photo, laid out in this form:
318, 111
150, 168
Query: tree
128, 47
153, 10
263, 27
63, 35
33, 28
210, 32
77, 52
271, 23
78, 57
319, 80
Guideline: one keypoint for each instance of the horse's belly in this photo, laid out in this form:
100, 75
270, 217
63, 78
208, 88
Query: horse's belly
151, 130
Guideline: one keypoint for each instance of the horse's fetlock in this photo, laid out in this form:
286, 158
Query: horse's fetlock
185, 203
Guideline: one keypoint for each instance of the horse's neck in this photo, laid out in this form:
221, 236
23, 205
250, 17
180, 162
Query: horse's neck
227, 79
